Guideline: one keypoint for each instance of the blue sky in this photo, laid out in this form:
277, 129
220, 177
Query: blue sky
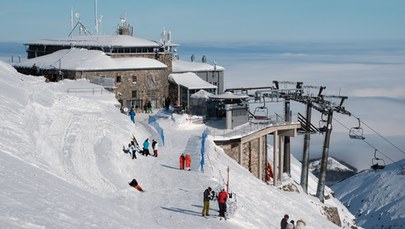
211, 20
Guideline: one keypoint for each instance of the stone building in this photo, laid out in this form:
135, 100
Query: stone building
134, 80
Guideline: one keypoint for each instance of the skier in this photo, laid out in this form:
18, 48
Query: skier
135, 184
222, 198
284, 222
130, 150
135, 150
146, 147
182, 161
207, 197
132, 114
149, 108
188, 161
155, 148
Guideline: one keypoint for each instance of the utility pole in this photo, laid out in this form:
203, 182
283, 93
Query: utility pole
305, 156
324, 161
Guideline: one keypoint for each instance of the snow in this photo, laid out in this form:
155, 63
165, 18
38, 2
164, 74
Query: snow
376, 197
228, 95
86, 60
332, 164
62, 166
201, 94
98, 41
190, 80
188, 66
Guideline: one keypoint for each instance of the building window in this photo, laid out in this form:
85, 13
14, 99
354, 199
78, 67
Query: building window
118, 79
134, 94
134, 79
214, 83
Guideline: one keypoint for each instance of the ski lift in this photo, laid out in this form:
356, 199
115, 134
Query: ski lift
261, 113
356, 132
322, 124
377, 163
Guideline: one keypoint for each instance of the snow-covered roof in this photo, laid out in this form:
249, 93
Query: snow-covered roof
85, 60
228, 95
98, 41
201, 94
188, 66
190, 80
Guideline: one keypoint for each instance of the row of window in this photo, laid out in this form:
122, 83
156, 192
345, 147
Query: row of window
118, 79
135, 50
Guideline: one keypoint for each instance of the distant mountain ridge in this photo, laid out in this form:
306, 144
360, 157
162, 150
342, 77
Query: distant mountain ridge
336, 170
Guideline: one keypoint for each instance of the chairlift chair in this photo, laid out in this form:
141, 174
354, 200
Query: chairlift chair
377, 163
356, 132
322, 124
261, 113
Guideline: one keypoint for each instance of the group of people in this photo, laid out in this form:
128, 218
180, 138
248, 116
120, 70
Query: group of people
208, 195
291, 225
133, 148
145, 150
185, 161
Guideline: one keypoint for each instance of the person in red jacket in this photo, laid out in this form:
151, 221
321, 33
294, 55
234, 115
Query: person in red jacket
181, 161
188, 161
222, 198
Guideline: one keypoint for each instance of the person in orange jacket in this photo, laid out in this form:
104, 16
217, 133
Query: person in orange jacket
182, 158
222, 198
188, 161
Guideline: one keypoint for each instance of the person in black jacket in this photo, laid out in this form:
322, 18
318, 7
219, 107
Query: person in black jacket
134, 183
284, 221
207, 197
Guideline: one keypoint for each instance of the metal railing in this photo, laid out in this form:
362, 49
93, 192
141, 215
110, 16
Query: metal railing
250, 127
86, 90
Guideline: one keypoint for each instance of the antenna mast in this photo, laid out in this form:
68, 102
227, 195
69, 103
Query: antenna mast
95, 16
71, 20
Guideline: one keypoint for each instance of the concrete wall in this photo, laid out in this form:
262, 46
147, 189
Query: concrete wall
213, 77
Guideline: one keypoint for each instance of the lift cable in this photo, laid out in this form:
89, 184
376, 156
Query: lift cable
381, 136
371, 145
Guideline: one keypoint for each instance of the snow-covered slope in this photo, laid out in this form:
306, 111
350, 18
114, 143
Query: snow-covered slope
376, 198
62, 166
332, 164
336, 171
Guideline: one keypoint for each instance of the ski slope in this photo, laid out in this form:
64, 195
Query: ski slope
62, 166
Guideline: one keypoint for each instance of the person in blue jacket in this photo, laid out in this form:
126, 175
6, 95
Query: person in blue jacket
146, 147
132, 115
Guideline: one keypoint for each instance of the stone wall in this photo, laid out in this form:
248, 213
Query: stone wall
148, 85
250, 154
